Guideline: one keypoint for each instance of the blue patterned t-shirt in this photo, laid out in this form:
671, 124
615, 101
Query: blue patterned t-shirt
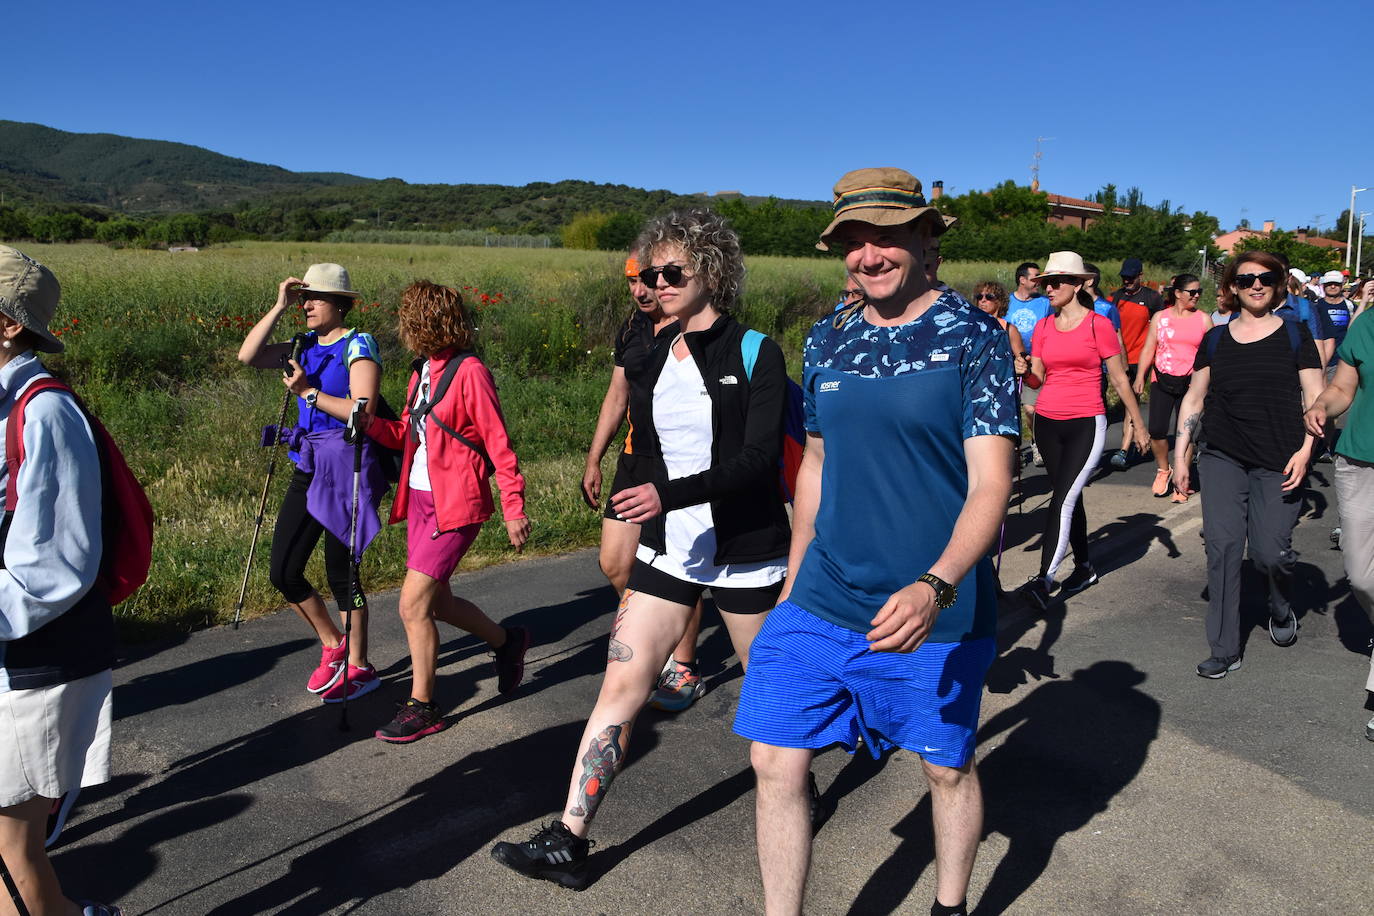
894, 406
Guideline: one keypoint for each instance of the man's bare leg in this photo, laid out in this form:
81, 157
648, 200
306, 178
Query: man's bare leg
783, 825
957, 808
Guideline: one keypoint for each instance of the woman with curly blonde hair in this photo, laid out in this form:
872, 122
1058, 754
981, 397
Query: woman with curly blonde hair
454, 438
712, 515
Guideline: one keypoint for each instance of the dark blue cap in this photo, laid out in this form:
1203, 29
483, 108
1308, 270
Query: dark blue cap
1131, 267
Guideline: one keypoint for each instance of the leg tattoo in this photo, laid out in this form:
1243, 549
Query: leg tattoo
599, 765
618, 651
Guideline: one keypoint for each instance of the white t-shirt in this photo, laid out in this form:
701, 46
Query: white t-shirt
682, 419
419, 462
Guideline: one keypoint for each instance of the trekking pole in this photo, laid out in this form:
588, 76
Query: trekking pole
355, 436
13, 889
296, 343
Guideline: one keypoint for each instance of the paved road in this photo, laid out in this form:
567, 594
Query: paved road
1116, 779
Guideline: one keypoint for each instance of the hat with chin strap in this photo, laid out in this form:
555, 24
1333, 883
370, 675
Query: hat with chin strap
880, 197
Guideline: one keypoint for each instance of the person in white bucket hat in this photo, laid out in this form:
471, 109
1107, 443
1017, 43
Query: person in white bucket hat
1068, 351
57, 635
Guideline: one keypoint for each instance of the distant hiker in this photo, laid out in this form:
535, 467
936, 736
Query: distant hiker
1245, 403
1026, 307
1072, 347
454, 439
340, 365
1136, 304
57, 635
886, 627
712, 516
629, 399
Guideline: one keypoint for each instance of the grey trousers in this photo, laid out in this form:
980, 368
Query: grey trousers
1239, 504
1355, 490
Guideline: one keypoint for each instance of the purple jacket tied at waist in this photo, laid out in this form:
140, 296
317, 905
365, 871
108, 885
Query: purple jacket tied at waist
329, 460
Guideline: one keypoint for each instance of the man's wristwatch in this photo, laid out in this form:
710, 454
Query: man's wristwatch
945, 594
311, 396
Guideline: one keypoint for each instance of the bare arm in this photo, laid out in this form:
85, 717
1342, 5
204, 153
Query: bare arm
255, 351
1116, 371
805, 503
607, 425
1018, 345
1189, 422
364, 381
904, 622
1335, 400
1147, 355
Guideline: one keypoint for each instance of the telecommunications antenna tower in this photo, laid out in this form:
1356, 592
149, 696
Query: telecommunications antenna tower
1035, 163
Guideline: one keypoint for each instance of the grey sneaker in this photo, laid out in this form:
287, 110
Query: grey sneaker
1118, 459
1284, 632
1216, 667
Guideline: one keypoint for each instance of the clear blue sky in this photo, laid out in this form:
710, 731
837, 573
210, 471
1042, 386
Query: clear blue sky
1243, 114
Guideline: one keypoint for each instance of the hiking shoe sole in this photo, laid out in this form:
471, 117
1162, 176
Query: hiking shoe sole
574, 879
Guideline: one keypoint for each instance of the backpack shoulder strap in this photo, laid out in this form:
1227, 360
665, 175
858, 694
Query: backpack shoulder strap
436, 394
749, 349
1294, 338
14, 433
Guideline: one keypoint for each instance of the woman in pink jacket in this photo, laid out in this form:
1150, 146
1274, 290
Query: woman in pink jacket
454, 438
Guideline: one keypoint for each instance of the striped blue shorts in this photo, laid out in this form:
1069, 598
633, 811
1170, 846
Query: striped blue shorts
812, 684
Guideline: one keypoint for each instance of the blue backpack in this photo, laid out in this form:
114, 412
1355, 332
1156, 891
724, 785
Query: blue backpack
1214, 338
794, 416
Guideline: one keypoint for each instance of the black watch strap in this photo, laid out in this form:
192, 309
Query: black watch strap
945, 594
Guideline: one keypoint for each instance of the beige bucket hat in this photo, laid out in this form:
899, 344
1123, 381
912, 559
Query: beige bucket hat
29, 294
879, 197
1064, 264
328, 278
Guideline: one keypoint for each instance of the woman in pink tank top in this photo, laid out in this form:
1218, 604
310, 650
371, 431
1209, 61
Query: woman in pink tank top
1167, 360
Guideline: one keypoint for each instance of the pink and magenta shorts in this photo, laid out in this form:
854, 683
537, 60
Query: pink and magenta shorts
429, 551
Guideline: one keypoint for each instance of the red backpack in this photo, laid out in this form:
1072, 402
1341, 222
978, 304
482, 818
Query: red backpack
127, 518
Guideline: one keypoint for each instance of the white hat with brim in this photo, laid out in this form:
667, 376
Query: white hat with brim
1064, 264
328, 278
1298, 275
1333, 276
29, 294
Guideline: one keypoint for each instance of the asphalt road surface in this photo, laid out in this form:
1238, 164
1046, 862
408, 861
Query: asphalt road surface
1116, 780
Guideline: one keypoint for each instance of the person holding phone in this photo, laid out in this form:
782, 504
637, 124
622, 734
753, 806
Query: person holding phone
338, 365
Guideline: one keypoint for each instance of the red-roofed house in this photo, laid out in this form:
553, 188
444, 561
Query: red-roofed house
1228, 241
1072, 211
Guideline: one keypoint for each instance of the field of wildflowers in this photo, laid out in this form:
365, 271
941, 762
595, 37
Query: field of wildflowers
151, 338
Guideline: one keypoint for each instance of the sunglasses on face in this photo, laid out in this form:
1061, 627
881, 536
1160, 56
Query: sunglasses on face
1056, 282
988, 297
673, 273
1268, 278
1188, 292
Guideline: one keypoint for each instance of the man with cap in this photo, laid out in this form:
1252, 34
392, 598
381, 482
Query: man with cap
1339, 310
1136, 304
1026, 306
886, 626
57, 635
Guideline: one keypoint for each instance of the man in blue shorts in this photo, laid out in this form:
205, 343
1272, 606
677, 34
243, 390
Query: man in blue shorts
886, 627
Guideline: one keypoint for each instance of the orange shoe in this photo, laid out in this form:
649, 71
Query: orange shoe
1178, 497
1161, 486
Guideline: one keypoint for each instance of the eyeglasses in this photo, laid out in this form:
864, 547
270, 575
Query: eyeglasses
989, 297
1188, 292
1268, 278
673, 273
1056, 282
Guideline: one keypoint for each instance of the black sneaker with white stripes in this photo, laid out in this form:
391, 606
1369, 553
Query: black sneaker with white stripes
553, 853
1082, 577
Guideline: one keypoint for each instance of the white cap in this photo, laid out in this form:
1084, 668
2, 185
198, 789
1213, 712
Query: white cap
1333, 276
1298, 275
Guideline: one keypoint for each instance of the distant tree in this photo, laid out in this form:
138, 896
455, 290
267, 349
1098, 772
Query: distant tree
14, 223
582, 231
618, 232
118, 231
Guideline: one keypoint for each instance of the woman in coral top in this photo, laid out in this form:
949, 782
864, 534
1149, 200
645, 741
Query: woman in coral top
1167, 360
1068, 350
454, 438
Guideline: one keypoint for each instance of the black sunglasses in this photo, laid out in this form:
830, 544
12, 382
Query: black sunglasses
1056, 282
1187, 292
673, 273
991, 297
1268, 278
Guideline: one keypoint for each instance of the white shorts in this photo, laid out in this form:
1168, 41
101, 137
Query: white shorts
54, 739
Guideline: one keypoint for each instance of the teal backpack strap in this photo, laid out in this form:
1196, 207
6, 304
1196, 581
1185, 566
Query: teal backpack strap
749, 349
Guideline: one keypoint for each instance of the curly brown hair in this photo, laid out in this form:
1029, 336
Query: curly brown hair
709, 244
999, 293
432, 319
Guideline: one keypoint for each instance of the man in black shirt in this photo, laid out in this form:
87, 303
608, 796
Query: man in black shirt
1133, 291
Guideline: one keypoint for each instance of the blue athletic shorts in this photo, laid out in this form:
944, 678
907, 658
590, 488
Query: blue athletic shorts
812, 684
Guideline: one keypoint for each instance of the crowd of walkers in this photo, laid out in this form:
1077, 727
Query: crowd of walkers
846, 634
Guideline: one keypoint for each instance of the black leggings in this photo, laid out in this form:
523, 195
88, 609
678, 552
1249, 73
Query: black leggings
1163, 405
1071, 449
294, 541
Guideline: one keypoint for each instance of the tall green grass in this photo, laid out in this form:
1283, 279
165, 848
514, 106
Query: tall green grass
151, 340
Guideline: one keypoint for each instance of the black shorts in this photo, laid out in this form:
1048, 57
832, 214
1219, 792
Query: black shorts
630, 471
757, 600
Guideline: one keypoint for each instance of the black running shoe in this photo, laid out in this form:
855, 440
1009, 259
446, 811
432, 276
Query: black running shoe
510, 659
1081, 578
1036, 594
553, 854
1217, 667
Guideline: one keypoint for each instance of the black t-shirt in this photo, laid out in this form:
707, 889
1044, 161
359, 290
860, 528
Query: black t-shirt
634, 342
1253, 410
1142, 294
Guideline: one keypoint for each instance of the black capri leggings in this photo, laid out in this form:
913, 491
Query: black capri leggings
293, 542
1163, 406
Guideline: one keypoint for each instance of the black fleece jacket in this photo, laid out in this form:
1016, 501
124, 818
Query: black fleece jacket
741, 484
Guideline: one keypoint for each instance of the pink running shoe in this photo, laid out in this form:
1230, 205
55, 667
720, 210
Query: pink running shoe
1162, 484
330, 670
361, 681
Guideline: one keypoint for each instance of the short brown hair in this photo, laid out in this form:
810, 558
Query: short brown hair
1266, 260
432, 319
998, 291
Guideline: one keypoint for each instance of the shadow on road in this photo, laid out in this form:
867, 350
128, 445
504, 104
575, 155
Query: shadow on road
200, 679
1070, 747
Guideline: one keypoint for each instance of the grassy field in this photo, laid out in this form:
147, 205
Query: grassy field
151, 338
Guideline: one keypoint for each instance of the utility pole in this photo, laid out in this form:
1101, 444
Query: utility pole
1350, 223
1359, 245
1035, 163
